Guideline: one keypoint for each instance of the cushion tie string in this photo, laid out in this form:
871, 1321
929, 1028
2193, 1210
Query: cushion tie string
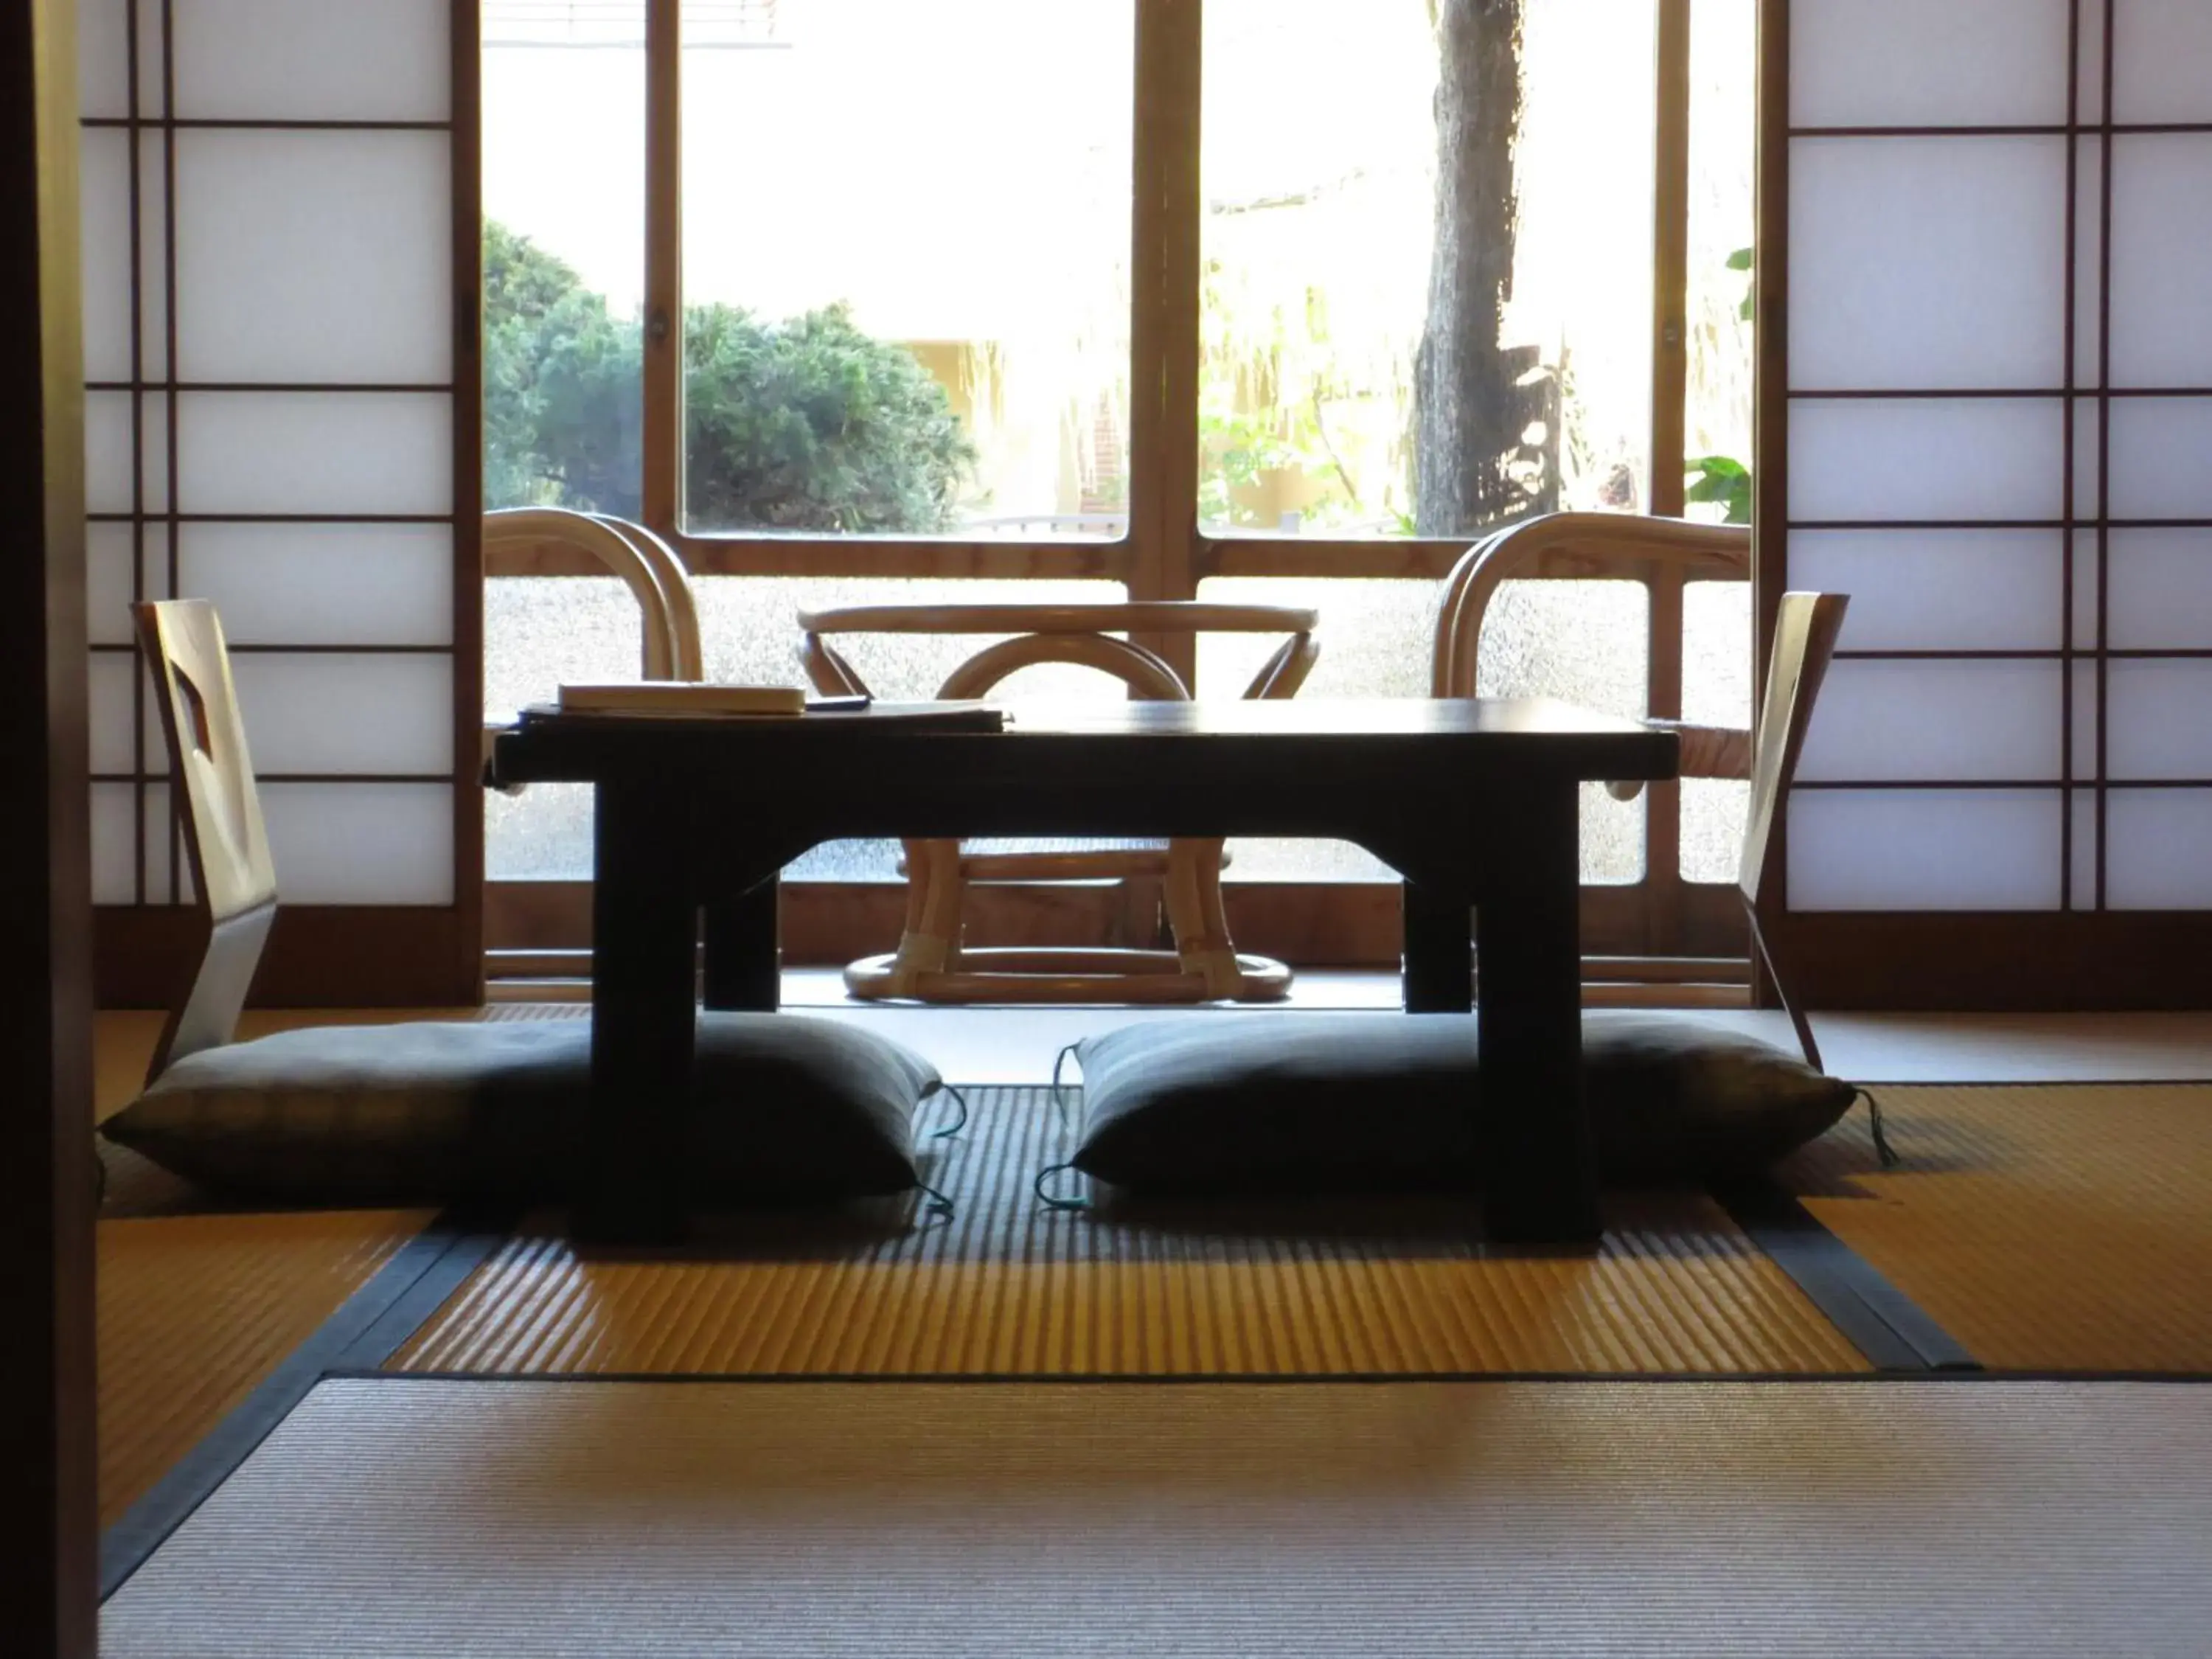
1049, 1200
938, 1205
1882, 1149
1059, 1090
943, 1088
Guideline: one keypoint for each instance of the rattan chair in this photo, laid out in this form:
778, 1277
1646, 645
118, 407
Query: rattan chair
933, 963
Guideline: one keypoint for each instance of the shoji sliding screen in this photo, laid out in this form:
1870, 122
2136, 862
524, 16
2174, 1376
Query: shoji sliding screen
1987, 298
280, 257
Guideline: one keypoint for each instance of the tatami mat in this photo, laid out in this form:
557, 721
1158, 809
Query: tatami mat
2056, 1228
1009, 1288
390, 1517
196, 1310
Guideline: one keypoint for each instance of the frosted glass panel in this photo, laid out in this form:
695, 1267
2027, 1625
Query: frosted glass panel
2162, 256
2162, 51
351, 60
1927, 263
108, 713
324, 584
104, 204
312, 451
1913, 849
1934, 590
1933, 458
2161, 458
114, 844
1914, 63
103, 34
2159, 591
314, 257
2160, 724
2159, 839
361, 843
1947, 721
347, 713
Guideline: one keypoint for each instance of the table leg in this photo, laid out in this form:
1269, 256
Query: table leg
744, 961
644, 926
1539, 1186
1439, 975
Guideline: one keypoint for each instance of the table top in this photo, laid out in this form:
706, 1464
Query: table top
548, 745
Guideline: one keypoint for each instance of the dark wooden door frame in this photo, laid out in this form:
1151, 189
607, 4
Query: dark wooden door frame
47, 1476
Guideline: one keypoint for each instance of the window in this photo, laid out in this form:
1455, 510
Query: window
1162, 299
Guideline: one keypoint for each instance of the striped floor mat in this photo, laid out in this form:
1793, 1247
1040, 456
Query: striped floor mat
2058, 1228
1008, 1287
393, 1517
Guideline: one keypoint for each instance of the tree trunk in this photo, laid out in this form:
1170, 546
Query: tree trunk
1468, 411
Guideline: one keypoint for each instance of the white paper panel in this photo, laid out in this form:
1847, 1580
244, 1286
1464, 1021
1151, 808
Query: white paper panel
361, 843
109, 678
107, 484
2085, 590
2087, 695
104, 208
2088, 255
153, 257
324, 60
2160, 584
1939, 590
2084, 849
103, 34
1976, 301
108, 557
328, 584
1927, 63
2159, 839
343, 713
2161, 458
1937, 720
2162, 258
1913, 849
2091, 81
314, 257
1876, 458
2159, 725
2162, 61
312, 453
114, 845
2088, 476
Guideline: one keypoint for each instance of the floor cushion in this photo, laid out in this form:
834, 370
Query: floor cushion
1380, 1103
785, 1109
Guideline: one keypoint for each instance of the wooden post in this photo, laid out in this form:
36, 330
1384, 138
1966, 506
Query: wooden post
48, 1501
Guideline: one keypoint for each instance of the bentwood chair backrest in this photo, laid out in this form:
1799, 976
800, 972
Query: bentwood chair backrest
226, 842
1805, 630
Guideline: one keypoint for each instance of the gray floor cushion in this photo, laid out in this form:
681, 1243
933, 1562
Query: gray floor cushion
1379, 1102
787, 1109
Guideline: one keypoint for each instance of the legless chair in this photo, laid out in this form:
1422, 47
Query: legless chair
932, 964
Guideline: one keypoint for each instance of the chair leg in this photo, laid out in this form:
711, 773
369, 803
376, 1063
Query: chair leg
935, 889
1197, 919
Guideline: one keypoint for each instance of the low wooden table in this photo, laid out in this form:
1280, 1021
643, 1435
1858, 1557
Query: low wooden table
1473, 801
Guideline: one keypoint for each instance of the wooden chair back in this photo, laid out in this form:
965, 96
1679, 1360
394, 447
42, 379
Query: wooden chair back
226, 842
648, 566
1805, 630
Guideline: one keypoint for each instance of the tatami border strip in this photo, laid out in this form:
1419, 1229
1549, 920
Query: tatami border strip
439, 1256
1893, 1332
1257, 1379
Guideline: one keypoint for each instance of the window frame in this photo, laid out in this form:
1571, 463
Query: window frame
1164, 552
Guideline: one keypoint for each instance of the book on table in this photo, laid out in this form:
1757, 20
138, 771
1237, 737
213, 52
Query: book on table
694, 700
